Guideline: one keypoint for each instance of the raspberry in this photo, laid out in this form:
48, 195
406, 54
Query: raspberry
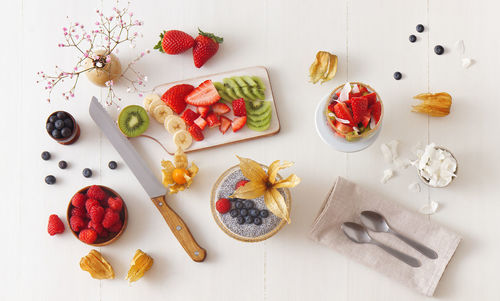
78, 200
96, 192
55, 225
88, 236
239, 107
110, 218
96, 214
99, 229
240, 183
223, 205
91, 203
116, 227
77, 211
115, 204
77, 223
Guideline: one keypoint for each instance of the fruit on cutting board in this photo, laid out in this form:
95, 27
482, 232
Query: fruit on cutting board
205, 46
251, 88
133, 120
175, 97
174, 123
174, 42
141, 263
183, 139
97, 266
259, 117
203, 95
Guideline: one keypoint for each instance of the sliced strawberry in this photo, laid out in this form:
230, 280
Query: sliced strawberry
203, 110
175, 97
359, 106
220, 108
196, 133
189, 116
362, 89
343, 128
203, 95
372, 98
365, 119
331, 106
200, 122
239, 107
376, 110
342, 112
225, 123
213, 120
238, 123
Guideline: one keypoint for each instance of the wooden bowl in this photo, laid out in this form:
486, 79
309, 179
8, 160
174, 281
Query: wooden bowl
123, 216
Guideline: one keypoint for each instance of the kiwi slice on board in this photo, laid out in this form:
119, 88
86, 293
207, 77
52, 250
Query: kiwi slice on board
239, 81
260, 83
261, 125
256, 118
133, 120
248, 93
249, 81
230, 93
218, 85
231, 83
256, 111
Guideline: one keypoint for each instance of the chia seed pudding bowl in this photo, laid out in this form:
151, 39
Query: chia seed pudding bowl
223, 188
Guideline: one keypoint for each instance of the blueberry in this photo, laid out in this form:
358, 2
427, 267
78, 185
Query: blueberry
249, 204
66, 132
264, 213
253, 212
257, 221
56, 133
61, 115
238, 204
439, 49
397, 75
46, 156
50, 127
234, 212
68, 123
243, 212
112, 165
63, 164
50, 179
413, 38
53, 118
248, 219
420, 28
59, 124
87, 172
240, 220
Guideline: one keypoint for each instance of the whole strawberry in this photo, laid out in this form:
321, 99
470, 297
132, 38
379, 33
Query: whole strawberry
205, 46
174, 42
55, 225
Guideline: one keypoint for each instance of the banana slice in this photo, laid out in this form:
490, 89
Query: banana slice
161, 112
148, 100
174, 124
154, 104
183, 139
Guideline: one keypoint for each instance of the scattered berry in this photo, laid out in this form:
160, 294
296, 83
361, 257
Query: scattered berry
238, 204
77, 211
115, 204
240, 183
77, 223
189, 116
112, 165
205, 46
257, 221
88, 236
397, 75
248, 219
225, 123
174, 42
116, 227
249, 204
234, 212
201, 123
78, 200
220, 108
62, 164
420, 28
203, 111
413, 38
239, 107
240, 220
91, 203
110, 218
223, 205
264, 213
243, 212
96, 192
50, 179
45, 155
238, 123
96, 214
87, 172
439, 50
55, 225
213, 120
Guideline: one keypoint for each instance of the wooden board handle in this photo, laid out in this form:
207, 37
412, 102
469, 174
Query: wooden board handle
180, 230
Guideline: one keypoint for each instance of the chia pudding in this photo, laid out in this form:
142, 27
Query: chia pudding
225, 187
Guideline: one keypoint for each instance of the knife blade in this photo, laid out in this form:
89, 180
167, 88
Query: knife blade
146, 178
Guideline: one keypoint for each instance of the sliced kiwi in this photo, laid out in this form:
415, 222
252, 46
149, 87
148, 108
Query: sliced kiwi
261, 125
239, 81
230, 93
264, 107
249, 81
248, 93
259, 93
133, 120
218, 85
258, 118
231, 83
260, 83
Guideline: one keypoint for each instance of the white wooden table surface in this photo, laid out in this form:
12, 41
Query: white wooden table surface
371, 40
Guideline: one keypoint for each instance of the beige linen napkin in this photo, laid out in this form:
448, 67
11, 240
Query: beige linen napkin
345, 202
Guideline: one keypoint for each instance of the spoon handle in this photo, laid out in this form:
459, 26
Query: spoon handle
416, 245
411, 261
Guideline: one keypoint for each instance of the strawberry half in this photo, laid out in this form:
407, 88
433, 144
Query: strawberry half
203, 95
342, 112
203, 110
213, 120
174, 97
189, 116
372, 98
220, 108
238, 123
225, 123
196, 133
376, 110
239, 107
359, 106
200, 122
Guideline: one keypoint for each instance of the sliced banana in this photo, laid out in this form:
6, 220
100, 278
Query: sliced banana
154, 104
174, 124
149, 99
161, 112
182, 139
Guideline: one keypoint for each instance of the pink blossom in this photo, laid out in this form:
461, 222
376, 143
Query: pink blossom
140, 94
65, 29
108, 59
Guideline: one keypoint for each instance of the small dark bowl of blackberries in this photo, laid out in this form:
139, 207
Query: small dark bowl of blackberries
62, 127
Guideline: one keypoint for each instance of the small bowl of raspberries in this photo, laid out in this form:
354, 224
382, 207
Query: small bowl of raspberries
97, 215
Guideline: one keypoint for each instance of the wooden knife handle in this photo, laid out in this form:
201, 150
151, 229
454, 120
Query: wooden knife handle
180, 230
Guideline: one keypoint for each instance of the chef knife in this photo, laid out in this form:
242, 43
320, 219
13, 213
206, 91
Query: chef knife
146, 178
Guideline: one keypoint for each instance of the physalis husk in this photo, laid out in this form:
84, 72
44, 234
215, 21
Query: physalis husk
262, 183
97, 266
180, 163
434, 104
324, 67
141, 263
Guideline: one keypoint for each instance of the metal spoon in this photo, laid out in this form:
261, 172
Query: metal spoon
377, 223
358, 234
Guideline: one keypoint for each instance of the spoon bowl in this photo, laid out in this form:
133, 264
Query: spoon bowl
356, 233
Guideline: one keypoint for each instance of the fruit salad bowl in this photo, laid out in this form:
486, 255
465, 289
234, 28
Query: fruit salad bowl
97, 215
